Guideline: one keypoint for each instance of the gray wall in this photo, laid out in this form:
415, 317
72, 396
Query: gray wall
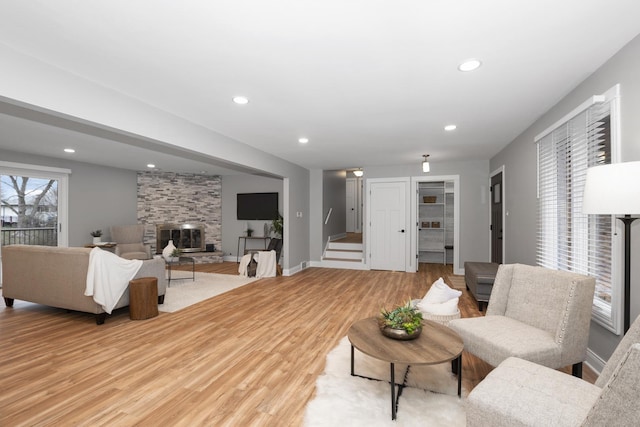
334, 196
232, 228
519, 159
316, 220
60, 95
99, 197
474, 208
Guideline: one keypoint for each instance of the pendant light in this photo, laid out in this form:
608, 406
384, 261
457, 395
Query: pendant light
425, 163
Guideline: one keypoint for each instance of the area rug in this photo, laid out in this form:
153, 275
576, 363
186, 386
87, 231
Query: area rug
430, 398
184, 292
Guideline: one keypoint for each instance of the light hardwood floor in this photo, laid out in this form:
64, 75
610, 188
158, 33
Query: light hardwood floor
249, 357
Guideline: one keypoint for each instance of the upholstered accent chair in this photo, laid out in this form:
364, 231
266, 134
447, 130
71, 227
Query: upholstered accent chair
534, 313
522, 393
130, 242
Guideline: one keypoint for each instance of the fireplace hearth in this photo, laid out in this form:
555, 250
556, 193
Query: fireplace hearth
187, 237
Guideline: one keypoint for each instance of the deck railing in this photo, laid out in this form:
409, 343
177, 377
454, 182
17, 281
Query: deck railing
47, 236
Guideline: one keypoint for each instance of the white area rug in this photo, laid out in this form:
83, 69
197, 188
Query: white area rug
185, 292
353, 401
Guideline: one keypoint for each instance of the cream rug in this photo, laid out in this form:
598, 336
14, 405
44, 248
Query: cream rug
185, 292
353, 401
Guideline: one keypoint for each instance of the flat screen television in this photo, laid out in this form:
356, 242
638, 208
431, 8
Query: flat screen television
257, 206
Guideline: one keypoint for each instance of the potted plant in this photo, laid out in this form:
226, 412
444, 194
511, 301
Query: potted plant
249, 231
96, 236
175, 254
402, 323
277, 225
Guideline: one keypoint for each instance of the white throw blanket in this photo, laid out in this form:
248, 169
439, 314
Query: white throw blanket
266, 264
108, 276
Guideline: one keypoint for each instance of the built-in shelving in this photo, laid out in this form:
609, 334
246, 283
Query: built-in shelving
435, 222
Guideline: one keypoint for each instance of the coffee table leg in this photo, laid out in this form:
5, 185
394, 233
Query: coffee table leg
393, 391
352, 371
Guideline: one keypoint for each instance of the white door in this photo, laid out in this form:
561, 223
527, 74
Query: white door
388, 225
352, 205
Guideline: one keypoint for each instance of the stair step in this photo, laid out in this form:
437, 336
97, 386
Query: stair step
341, 259
345, 246
340, 254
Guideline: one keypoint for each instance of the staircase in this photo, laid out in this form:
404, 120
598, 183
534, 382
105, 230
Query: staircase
343, 255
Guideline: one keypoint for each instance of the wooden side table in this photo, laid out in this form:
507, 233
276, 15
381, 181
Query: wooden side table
143, 298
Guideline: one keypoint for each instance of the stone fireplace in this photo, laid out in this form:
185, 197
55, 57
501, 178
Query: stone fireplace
187, 237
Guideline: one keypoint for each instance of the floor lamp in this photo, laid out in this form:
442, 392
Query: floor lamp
614, 190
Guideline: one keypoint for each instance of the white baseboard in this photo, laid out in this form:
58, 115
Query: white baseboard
594, 362
296, 269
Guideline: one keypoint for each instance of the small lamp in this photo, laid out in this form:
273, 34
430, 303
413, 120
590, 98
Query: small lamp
425, 163
613, 190
358, 173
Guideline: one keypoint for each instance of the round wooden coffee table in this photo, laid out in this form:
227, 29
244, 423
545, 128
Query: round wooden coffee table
436, 344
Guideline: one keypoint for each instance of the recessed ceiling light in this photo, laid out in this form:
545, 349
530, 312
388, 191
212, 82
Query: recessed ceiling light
470, 65
241, 100
303, 140
69, 150
151, 165
450, 127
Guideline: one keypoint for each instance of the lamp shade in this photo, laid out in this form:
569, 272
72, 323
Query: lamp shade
612, 189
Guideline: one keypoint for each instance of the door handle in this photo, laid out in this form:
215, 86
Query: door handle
402, 231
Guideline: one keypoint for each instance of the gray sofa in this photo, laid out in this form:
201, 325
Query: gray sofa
57, 277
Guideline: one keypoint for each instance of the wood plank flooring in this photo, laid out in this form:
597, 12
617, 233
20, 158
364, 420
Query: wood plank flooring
249, 357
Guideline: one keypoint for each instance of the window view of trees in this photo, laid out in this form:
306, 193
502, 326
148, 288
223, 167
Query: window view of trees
28, 210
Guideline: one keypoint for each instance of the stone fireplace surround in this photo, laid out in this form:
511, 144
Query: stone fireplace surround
177, 198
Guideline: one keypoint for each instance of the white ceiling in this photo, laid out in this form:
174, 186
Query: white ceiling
369, 82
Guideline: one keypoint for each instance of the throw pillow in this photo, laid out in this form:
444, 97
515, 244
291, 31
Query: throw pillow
440, 309
440, 292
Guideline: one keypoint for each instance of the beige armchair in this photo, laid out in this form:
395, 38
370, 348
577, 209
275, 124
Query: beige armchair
534, 313
130, 242
521, 393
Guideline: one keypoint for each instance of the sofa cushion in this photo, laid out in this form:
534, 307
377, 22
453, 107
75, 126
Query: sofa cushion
494, 338
544, 397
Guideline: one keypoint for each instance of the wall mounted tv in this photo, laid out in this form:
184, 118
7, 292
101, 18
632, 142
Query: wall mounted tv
257, 206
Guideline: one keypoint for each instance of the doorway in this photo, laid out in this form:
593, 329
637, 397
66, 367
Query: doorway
497, 216
354, 205
387, 224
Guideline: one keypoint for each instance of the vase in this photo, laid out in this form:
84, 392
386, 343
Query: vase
97, 240
400, 334
166, 252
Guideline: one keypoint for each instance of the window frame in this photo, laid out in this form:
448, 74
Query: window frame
608, 315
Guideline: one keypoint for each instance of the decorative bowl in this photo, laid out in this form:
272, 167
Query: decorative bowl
400, 334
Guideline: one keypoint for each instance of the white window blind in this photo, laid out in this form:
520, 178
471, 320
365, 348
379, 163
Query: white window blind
567, 239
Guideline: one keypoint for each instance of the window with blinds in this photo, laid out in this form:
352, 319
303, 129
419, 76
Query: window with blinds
567, 239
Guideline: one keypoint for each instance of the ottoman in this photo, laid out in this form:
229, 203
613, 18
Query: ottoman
479, 278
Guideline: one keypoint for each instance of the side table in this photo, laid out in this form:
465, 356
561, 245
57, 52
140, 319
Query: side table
180, 261
143, 298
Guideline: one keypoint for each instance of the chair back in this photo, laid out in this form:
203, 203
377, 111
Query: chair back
125, 234
551, 300
617, 403
631, 337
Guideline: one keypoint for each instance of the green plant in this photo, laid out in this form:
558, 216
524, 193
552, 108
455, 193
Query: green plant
96, 233
176, 253
277, 225
405, 317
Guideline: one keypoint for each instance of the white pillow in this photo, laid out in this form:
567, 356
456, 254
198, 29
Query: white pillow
440, 292
441, 309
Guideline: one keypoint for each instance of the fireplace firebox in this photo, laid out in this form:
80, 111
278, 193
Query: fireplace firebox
187, 237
